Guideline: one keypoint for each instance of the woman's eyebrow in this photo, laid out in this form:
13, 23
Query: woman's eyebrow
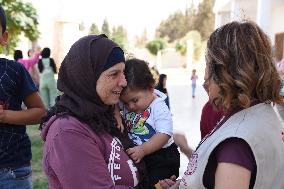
115, 70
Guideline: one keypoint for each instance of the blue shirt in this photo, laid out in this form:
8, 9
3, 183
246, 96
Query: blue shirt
15, 85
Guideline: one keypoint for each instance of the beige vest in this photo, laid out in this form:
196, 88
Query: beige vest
260, 127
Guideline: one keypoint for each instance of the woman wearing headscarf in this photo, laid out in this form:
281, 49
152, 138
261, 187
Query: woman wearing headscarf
83, 147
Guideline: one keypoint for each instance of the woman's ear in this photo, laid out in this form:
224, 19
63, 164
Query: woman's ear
4, 38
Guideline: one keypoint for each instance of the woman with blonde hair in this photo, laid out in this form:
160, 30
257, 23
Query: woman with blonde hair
246, 148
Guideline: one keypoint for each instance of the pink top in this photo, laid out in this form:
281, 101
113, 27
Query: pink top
28, 63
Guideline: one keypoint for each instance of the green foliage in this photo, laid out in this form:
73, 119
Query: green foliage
205, 18
94, 29
119, 35
195, 36
181, 47
156, 45
105, 28
39, 178
21, 17
177, 25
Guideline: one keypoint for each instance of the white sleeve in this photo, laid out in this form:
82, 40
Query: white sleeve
163, 119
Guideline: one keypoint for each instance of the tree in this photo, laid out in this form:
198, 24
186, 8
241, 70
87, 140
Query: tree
204, 19
21, 18
105, 28
94, 29
156, 45
119, 35
175, 27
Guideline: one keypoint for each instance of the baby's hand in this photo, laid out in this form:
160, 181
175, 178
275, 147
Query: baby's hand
136, 153
181, 142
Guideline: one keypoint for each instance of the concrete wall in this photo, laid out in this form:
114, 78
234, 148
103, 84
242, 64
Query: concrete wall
267, 13
277, 25
172, 59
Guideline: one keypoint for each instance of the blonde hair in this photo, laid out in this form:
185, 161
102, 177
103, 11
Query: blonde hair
240, 61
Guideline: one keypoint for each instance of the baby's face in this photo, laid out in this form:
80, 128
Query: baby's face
137, 100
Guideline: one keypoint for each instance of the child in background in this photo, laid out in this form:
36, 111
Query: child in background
149, 123
194, 77
161, 86
28, 63
15, 146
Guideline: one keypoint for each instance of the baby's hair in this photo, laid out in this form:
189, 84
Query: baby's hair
138, 75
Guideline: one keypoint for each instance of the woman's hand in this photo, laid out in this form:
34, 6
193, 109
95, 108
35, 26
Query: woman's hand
169, 184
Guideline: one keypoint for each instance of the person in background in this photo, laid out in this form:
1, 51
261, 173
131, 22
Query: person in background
82, 146
208, 121
47, 69
149, 123
193, 78
243, 83
17, 87
27, 63
33, 70
161, 86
